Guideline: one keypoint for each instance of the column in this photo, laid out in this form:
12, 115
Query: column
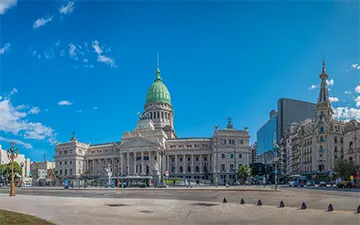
168, 163
134, 162
121, 158
93, 170
128, 162
192, 164
184, 163
201, 169
142, 163
176, 166
150, 163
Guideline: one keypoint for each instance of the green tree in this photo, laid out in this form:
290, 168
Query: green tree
344, 168
6, 170
243, 173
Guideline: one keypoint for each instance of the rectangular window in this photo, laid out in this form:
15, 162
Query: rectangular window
240, 156
222, 167
70, 162
205, 158
231, 155
223, 156
197, 158
181, 159
242, 142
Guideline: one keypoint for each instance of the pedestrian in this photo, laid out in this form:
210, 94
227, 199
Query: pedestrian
189, 184
174, 182
197, 182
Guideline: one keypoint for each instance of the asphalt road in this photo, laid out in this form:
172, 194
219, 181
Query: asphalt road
321, 189
316, 199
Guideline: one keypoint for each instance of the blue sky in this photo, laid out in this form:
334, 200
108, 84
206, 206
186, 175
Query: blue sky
85, 66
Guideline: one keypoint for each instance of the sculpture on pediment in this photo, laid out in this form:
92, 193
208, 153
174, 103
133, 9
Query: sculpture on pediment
229, 123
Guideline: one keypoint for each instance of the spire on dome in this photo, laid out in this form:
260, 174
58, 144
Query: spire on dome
157, 68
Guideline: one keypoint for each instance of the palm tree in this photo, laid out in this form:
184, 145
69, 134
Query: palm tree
243, 172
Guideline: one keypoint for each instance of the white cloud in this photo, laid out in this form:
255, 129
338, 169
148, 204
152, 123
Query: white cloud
85, 60
68, 9
64, 102
13, 121
6, 4
79, 111
34, 110
106, 60
62, 52
357, 100
42, 21
12, 92
347, 92
312, 87
4, 49
72, 53
26, 145
355, 66
346, 113
21, 107
330, 82
101, 58
357, 89
333, 99
96, 47
95, 107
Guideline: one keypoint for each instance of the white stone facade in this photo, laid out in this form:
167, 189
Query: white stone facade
211, 159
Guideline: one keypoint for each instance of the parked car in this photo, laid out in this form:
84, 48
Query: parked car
322, 184
344, 184
310, 183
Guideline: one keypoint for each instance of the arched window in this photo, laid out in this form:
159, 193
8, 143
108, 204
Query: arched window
321, 129
162, 115
60, 172
351, 159
350, 145
70, 171
65, 171
335, 150
150, 115
158, 115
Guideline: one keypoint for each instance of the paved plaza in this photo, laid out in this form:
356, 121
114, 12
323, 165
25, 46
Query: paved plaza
177, 206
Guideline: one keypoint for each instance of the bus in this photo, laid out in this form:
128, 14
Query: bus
297, 180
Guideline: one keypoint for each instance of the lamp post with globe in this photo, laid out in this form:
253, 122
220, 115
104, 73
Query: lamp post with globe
12, 154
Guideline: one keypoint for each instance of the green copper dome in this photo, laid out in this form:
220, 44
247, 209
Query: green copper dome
158, 92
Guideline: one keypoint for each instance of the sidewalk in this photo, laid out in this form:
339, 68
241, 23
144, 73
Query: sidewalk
72, 210
219, 188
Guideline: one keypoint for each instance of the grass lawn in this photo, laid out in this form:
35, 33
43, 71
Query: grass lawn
13, 218
170, 181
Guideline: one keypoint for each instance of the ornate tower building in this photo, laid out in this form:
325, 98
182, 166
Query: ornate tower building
158, 106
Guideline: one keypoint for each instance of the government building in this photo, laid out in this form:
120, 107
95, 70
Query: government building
153, 148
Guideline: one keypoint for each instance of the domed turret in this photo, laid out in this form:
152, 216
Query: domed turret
158, 92
158, 106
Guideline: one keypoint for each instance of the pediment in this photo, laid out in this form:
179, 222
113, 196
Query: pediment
138, 142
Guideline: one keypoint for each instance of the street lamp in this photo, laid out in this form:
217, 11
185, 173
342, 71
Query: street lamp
161, 153
217, 157
276, 163
12, 153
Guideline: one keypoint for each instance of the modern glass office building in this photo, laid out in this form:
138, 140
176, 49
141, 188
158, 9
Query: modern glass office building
266, 135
